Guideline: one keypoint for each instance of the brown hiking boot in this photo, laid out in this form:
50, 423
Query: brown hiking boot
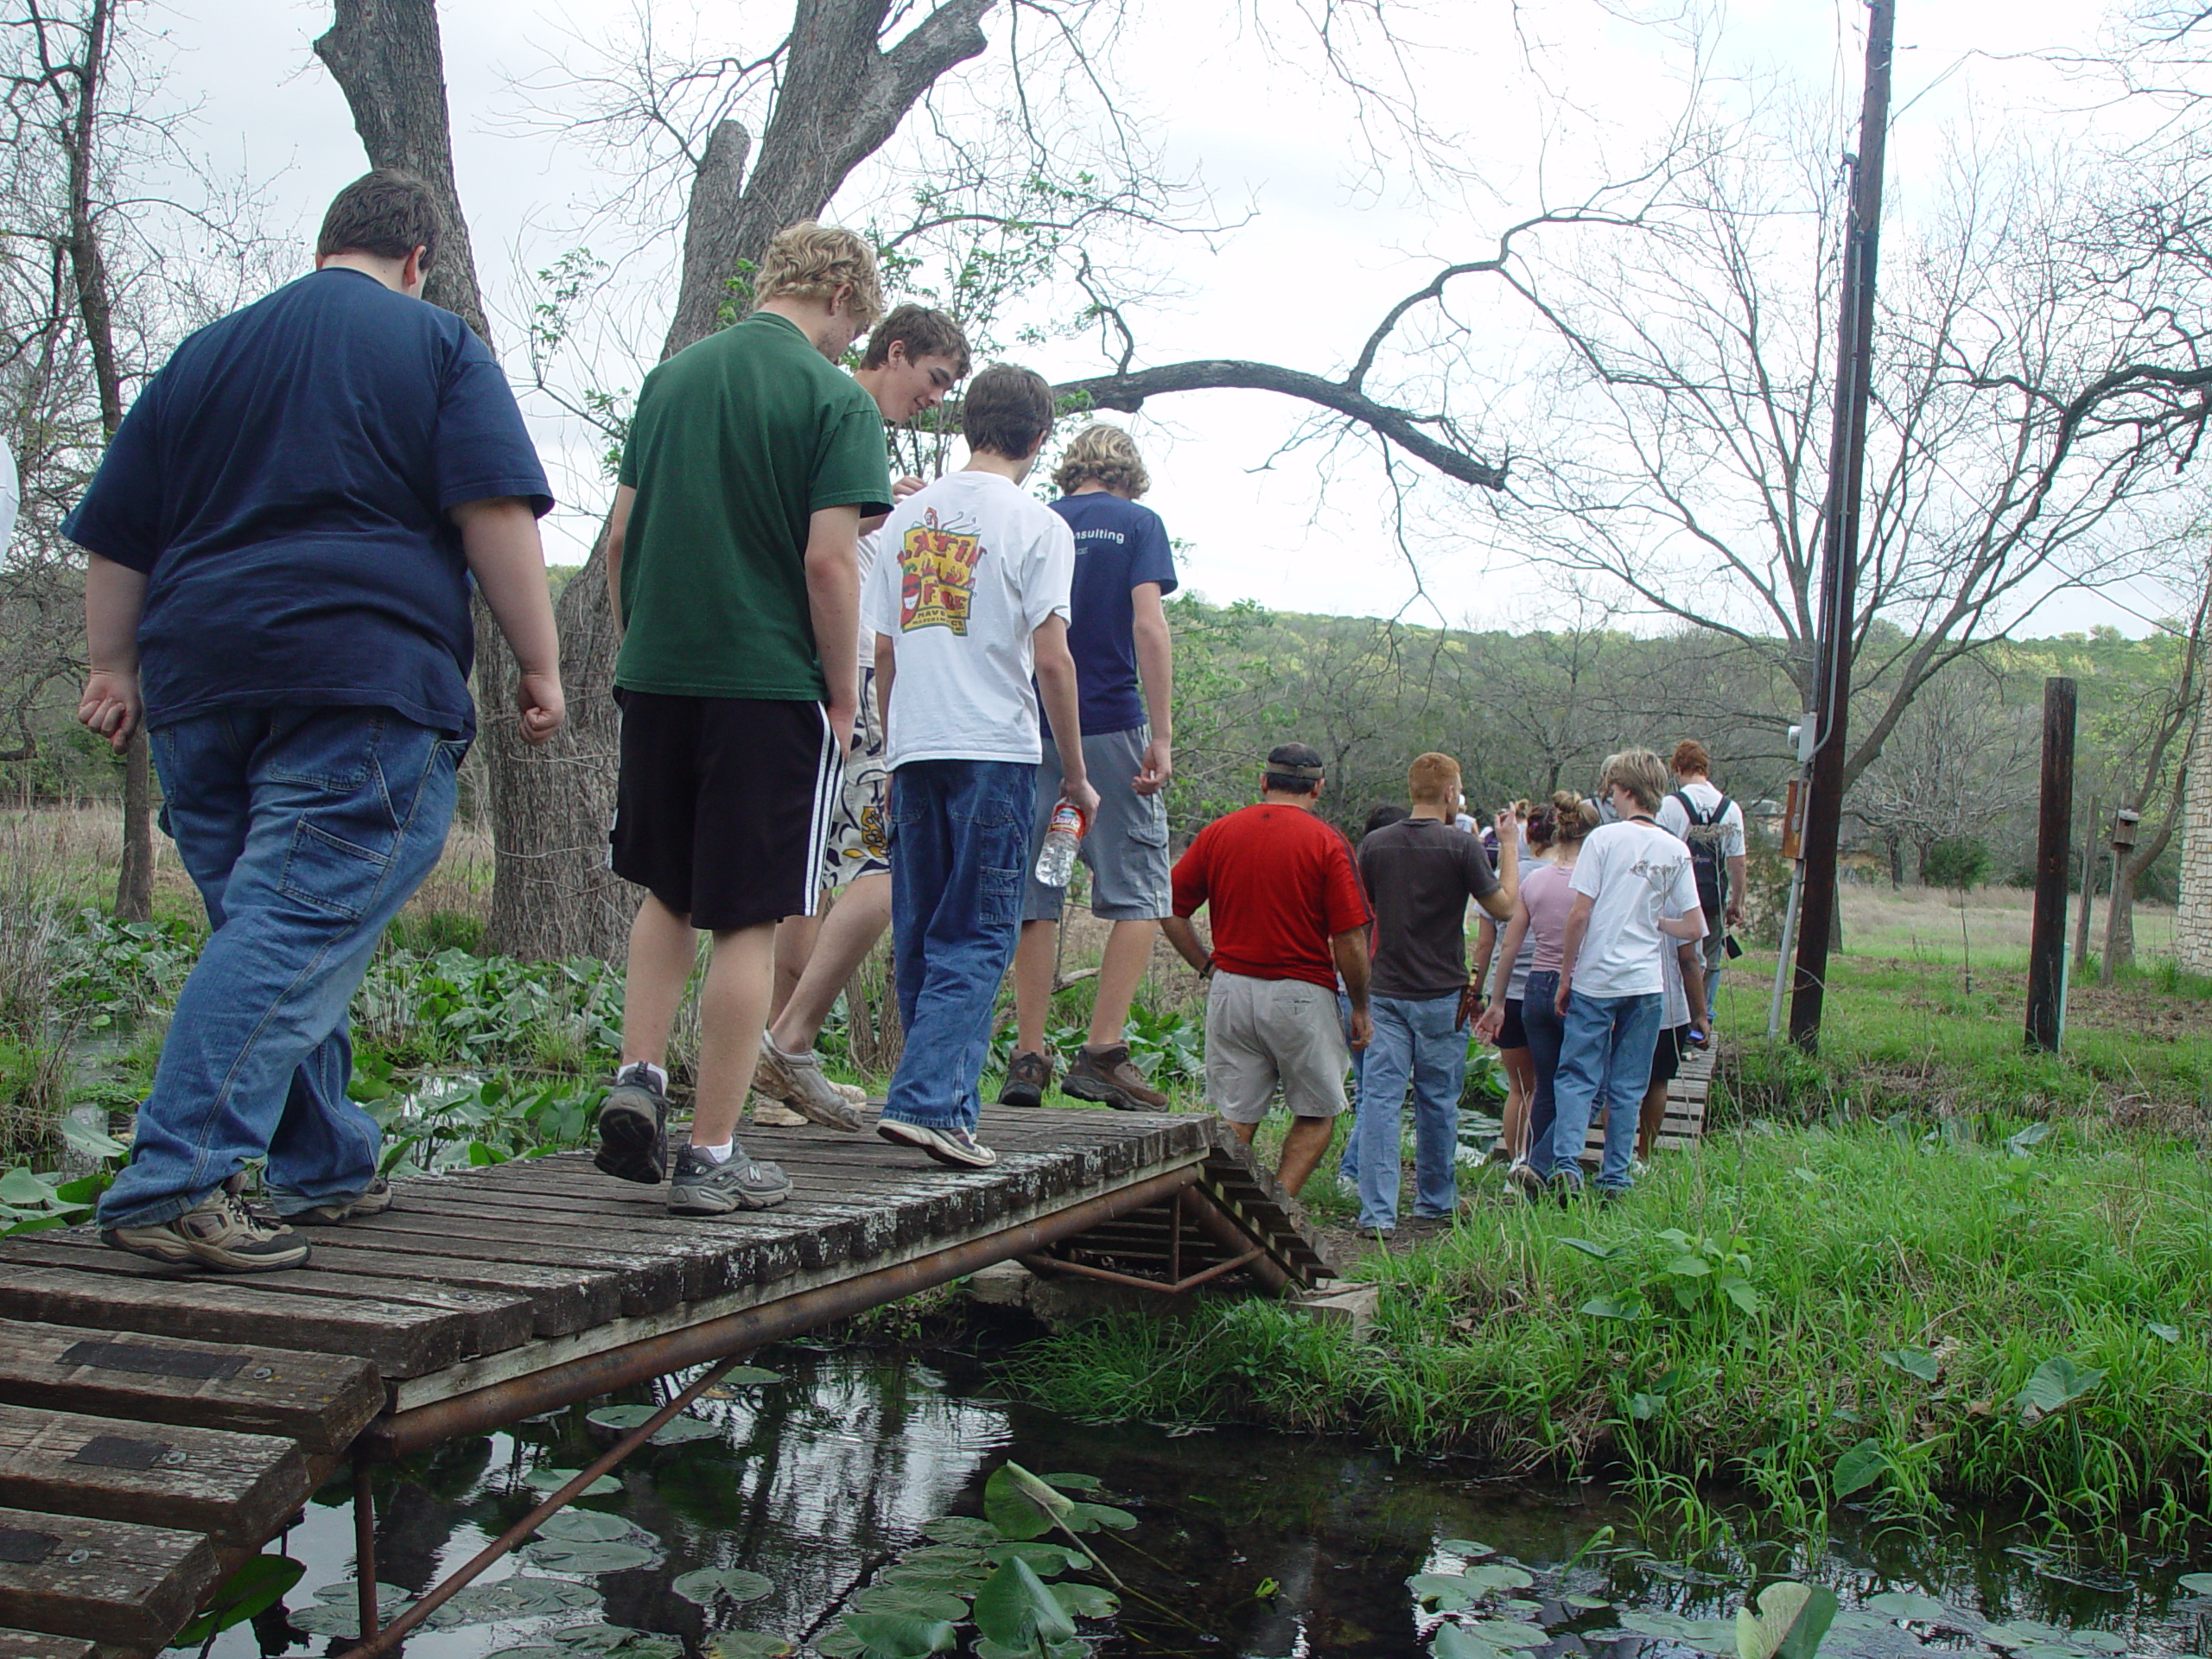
1106, 1075
217, 1232
1027, 1080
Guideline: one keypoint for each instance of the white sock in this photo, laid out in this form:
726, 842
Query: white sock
657, 1073
715, 1154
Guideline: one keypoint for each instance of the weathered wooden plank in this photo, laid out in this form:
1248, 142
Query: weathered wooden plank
698, 1264
647, 1282
490, 1321
322, 1400
106, 1580
238, 1489
29, 1644
562, 1298
398, 1339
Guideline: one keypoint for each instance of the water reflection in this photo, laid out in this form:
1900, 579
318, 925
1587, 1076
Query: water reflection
1257, 1544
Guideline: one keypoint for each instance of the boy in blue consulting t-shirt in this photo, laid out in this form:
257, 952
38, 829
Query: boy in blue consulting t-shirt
282, 537
1118, 634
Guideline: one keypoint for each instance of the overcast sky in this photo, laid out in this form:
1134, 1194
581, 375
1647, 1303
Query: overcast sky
1301, 283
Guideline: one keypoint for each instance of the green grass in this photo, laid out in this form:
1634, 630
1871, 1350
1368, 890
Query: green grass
1508, 1341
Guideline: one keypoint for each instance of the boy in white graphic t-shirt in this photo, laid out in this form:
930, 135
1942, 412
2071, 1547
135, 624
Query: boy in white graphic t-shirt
969, 600
1633, 891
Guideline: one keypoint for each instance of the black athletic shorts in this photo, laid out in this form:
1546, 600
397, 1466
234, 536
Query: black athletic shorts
1667, 1054
1511, 1033
723, 803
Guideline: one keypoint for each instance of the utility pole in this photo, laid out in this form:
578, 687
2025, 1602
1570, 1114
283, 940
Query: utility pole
1831, 700
2054, 860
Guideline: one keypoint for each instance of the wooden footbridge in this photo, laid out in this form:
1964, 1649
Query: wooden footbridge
158, 1426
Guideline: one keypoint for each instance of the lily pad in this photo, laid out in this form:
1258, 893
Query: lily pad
703, 1584
588, 1527
1788, 1622
617, 1639
1455, 1641
534, 1650
1710, 1635
749, 1644
886, 1636
1047, 1560
1087, 1600
912, 1602
1909, 1603
963, 1530
1076, 1483
674, 1431
1506, 1633
569, 1555
2198, 1583
1466, 1546
552, 1480
1447, 1592
520, 1596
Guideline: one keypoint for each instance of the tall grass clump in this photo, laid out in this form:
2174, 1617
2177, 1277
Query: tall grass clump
43, 887
1856, 1311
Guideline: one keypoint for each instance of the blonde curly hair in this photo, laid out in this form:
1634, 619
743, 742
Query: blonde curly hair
807, 261
1105, 455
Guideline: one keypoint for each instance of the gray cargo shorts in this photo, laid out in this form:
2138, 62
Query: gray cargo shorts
1264, 1032
1127, 848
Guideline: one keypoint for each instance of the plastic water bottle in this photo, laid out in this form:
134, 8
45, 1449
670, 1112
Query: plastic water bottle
1056, 859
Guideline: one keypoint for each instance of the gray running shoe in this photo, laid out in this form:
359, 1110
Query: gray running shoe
947, 1145
633, 1128
797, 1079
701, 1186
374, 1200
217, 1232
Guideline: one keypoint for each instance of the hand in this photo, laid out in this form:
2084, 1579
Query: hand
1491, 1022
1508, 827
842, 717
1078, 794
903, 487
1559, 1001
1471, 1004
1735, 917
1156, 768
537, 694
1699, 1038
111, 706
1363, 1028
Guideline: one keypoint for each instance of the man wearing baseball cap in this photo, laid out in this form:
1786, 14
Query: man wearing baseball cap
1288, 919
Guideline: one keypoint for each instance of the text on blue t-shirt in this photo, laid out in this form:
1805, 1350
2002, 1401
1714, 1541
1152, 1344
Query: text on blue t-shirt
283, 483
1118, 545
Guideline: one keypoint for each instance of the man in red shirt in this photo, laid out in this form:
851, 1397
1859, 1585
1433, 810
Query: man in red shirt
1288, 920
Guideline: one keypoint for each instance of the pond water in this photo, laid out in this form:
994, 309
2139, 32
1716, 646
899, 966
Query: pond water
1255, 1543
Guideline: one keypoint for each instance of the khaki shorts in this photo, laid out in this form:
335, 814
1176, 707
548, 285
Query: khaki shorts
1264, 1032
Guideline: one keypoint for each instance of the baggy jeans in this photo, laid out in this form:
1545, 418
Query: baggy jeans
1414, 1041
1604, 1059
305, 830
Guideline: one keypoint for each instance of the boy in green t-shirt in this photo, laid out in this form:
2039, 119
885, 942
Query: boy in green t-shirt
731, 555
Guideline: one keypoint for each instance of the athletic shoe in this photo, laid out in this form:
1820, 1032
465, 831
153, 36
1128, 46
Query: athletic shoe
373, 1200
797, 1078
1566, 1188
1522, 1173
701, 1186
1106, 1075
774, 1115
1637, 1169
217, 1232
633, 1128
1027, 1080
948, 1145
853, 1094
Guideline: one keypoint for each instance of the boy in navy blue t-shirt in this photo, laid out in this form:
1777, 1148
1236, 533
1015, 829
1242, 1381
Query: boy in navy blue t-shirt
282, 535
1124, 567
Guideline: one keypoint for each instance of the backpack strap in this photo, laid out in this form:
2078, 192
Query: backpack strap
1698, 820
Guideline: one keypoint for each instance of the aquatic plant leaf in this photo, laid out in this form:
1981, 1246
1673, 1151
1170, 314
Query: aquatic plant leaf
2167, 1333
912, 1602
534, 1650
1614, 1308
962, 1530
569, 1555
1450, 1592
674, 1431
1585, 1603
1087, 1600
1505, 1633
1075, 1483
703, 1584
259, 1585
889, 1635
1788, 1623
2198, 1583
617, 1638
1016, 1608
1089, 1517
1454, 1641
1049, 1561
1909, 1603
987, 1649
1859, 1468
588, 1527
2053, 1386
552, 1480
1714, 1635
1021, 1506
1490, 1576
1913, 1361
749, 1644
939, 1578
2097, 1641
1603, 1252
347, 1593
520, 1596
1466, 1546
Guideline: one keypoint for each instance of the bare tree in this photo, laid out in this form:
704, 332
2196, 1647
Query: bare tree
1960, 759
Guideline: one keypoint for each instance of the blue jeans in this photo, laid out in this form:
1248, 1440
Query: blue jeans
1540, 1018
1605, 1059
1414, 1041
305, 830
959, 859
1348, 1165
